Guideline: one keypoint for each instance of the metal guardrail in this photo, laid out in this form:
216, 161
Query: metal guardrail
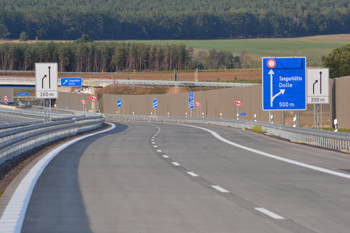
106, 82
14, 142
318, 138
17, 124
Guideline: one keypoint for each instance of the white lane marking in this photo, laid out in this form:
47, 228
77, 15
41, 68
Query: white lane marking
152, 139
176, 164
274, 156
159, 151
165, 156
153, 143
220, 189
192, 174
155, 146
269, 213
13, 216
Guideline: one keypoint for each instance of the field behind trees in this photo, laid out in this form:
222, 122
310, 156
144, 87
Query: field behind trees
313, 48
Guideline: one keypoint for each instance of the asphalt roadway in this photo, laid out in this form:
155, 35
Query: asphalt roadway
159, 177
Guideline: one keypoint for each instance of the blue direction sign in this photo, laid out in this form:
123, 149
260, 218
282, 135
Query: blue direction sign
190, 100
284, 83
243, 114
119, 103
155, 103
22, 93
71, 82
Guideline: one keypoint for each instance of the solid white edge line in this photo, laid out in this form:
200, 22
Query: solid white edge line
269, 213
192, 174
176, 164
273, 156
13, 216
220, 189
165, 156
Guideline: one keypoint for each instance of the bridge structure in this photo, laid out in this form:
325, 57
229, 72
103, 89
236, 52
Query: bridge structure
21, 82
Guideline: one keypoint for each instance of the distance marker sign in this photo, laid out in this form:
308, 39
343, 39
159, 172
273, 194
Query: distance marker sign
284, 83
46, 86
318, 86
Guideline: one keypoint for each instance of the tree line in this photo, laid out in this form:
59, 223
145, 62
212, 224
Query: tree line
85, 56
290, 7
54, 24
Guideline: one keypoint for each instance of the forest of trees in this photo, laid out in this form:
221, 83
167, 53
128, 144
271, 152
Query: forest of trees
171, 19
87, 56
338, 62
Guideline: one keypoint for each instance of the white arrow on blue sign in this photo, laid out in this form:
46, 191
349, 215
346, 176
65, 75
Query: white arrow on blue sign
155, 103
119, 103
190, 100
71, 82
284, 83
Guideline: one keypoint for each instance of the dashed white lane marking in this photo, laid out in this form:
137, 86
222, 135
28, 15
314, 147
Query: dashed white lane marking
176, 164
269, 213
220, 189
13, 216
320, 169
155, 146
159, 151
152, 139
165, 156
192, 174
153, 143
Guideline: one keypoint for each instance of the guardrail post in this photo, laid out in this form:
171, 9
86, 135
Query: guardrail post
255, 117
335, 125
202, 114
294, 121
220, 115
271, 120
185, 114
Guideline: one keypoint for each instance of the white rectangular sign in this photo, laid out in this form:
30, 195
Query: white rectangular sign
46, 80
318, 86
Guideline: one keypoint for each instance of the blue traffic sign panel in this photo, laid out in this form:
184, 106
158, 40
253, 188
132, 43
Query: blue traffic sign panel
155, 103
22, 93
284, 83
71, 82
243, 114
119, 103
190, 100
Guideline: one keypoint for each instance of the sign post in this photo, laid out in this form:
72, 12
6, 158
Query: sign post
190, 102
318, 91
198, 104
46, 83
155, 106
83, 102
119, 104
238, 104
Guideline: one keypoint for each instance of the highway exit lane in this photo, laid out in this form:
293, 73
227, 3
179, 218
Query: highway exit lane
120, 181
318, 201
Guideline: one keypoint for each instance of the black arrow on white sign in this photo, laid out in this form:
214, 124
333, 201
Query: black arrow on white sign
320, 82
